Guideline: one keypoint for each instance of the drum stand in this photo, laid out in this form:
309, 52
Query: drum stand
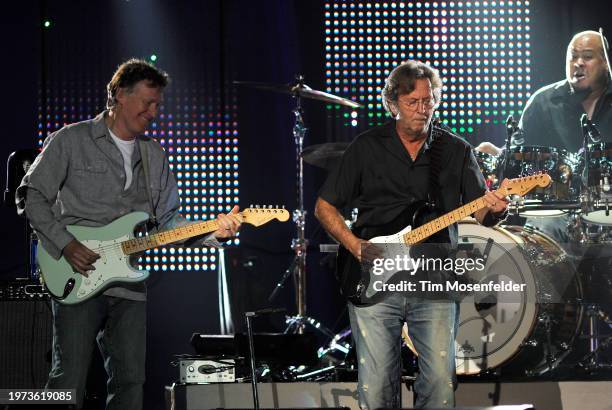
597, 343
297, 323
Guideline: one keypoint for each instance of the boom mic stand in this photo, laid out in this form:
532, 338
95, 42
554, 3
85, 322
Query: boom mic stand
510, 130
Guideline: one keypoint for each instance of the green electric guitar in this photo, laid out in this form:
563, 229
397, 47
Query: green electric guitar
116, 245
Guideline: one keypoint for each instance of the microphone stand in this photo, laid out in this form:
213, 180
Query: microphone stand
252, 362
586, 194
510, 129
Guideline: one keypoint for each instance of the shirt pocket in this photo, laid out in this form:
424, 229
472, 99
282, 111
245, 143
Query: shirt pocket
92, 167
91, 177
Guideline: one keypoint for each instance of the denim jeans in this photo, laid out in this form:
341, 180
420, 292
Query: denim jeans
119, 327
377, 332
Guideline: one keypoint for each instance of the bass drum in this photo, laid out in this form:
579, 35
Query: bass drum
520, 333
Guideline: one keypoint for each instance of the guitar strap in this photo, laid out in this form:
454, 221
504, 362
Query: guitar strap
436, 152
145, 168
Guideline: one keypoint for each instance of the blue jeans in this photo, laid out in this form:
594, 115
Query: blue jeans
377, 331
119, 327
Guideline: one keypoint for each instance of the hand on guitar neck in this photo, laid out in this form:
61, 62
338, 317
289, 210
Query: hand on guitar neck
496, 202
229, 224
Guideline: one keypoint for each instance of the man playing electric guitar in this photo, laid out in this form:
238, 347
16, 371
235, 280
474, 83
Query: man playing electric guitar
382, 173
90, 174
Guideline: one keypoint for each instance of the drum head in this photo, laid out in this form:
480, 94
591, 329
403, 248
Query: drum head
598, 217
525, 333
491, 329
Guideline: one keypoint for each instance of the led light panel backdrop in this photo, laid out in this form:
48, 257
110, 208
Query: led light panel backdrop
201, 144
482, 49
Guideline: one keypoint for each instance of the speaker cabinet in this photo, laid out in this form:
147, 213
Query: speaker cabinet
25, 343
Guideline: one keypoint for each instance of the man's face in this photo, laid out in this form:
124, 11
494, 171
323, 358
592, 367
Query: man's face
138, 107
415, 110
586, 69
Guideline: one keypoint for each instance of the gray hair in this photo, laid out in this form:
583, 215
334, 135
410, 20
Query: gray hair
402, 80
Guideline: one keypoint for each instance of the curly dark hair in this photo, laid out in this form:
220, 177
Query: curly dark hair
129, 73
401, 81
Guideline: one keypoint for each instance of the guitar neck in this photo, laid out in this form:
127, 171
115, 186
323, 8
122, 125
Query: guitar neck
143, 243
425, 231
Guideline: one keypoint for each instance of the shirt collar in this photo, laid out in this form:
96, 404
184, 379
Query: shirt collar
99, 128
390, 130
562, 90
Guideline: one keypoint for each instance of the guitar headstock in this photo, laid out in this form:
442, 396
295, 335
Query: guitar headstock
260, 215
521, 186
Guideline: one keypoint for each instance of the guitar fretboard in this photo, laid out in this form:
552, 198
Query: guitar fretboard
143, 243
425, 231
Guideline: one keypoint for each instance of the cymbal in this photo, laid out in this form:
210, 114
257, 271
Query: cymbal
301, 90
324, 155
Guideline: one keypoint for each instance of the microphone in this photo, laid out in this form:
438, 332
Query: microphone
510, 124
588, 128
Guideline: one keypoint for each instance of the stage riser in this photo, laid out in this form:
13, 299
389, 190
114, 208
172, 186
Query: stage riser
543, 395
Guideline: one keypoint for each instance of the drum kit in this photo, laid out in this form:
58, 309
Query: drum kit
523, 338
546, 339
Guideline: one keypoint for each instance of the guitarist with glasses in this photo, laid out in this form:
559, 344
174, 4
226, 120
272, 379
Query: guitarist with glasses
90, 174
387, 173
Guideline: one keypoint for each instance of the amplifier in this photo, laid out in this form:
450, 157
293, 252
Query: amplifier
207, 371
22, 290
25, 343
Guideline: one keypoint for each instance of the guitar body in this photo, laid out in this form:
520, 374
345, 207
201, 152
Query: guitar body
113, 267
353, 277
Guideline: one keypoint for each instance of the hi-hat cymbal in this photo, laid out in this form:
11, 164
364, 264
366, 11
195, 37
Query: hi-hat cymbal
301, 90
324, 155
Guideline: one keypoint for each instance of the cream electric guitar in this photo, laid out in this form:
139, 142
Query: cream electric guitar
116, 244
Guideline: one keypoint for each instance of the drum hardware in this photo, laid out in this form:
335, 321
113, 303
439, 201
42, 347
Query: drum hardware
596, 195
298, 90
597, 343
487, 164
519, 205
519, 160
511, 129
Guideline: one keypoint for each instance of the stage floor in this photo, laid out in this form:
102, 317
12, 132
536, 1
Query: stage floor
592, 395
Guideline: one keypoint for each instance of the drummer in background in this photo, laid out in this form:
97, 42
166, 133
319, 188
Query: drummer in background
551, 117
552, 114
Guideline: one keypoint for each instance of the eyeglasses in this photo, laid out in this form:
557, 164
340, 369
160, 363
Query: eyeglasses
413, 104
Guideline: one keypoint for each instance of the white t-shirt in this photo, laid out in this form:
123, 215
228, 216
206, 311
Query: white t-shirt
127, 149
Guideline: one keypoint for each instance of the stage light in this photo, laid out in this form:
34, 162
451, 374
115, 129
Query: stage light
477, 46
47, 23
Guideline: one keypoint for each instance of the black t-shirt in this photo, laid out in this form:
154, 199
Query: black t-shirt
552, 117
377, 176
